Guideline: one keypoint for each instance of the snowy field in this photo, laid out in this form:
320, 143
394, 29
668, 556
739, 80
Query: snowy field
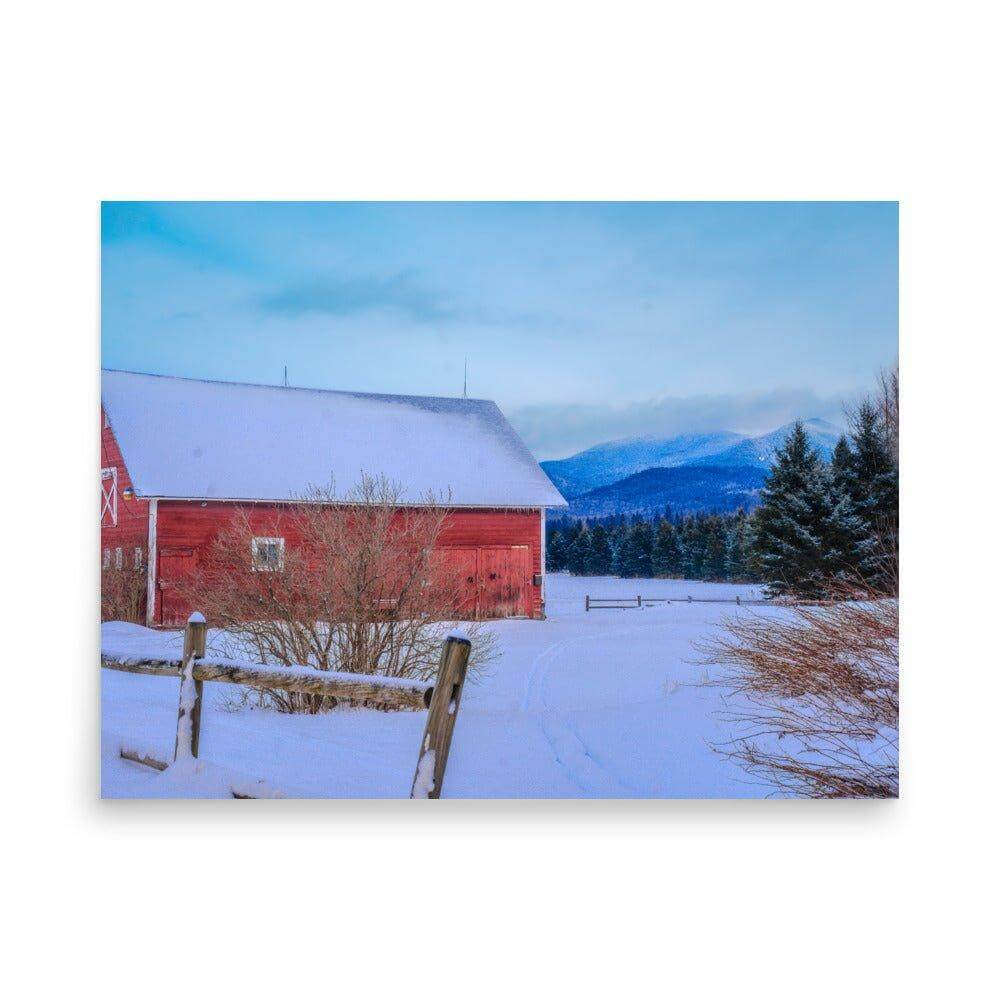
606, 704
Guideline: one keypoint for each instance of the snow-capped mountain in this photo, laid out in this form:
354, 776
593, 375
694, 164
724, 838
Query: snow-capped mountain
608, 463
759, 451
613, 461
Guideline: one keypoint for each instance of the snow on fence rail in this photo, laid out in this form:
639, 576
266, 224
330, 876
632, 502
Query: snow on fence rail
600, 603
441, 698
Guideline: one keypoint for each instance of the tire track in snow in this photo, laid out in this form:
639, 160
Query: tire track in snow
583, 769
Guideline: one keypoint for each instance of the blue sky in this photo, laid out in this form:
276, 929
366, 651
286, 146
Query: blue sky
584, 321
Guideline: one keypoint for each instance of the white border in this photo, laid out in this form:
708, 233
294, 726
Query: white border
714, 100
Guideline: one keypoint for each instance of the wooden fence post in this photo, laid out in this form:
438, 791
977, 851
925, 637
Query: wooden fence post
587, 605
441, 716
189, 707
638, 600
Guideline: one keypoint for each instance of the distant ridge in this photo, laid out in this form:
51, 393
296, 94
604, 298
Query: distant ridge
613, 461
759, 451
684, 489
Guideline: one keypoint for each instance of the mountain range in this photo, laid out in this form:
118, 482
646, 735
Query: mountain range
684, 489
688, 472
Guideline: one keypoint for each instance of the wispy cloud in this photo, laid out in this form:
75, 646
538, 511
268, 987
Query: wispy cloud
335, 296
555, 431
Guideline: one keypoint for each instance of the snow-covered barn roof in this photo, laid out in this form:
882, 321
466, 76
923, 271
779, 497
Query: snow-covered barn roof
195, 439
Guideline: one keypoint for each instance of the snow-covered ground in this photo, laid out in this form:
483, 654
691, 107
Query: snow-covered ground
606, 704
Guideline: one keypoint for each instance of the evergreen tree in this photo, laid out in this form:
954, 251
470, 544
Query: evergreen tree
578, 552
741, 558
667, 555
873, 482
842, 464
600, 556
693, 536
635, 554
807, 531
714, 565
555, 551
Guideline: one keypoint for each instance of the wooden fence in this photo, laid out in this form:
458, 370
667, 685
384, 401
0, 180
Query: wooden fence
600, 603
441, 699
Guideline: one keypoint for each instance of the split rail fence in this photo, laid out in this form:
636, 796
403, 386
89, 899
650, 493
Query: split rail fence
601, 603
441, 699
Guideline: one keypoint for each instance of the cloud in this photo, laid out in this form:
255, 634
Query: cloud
559, 430
333, 296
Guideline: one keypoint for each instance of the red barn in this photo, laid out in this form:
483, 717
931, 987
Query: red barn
179, 455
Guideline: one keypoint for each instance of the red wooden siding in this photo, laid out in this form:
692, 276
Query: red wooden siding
498, 550
133, 515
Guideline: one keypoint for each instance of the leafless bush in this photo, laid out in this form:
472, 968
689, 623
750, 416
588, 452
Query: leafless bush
123, 591
819, 697
887, 401
356, 586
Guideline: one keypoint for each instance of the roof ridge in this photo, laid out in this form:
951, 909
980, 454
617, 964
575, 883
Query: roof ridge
300, 388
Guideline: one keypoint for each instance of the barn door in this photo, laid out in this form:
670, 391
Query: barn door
494, 580
519, 585
173, 565
463, 566
505, 575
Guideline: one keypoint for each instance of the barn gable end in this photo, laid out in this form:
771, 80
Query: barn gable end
124, 517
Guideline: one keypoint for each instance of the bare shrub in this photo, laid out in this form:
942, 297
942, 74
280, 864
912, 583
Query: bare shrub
123, 590
887, 402
356, 585
819, 697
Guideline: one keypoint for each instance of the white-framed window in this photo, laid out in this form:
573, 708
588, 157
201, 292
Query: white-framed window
138, 557
106, 561
268, 555
118, 557
109, 497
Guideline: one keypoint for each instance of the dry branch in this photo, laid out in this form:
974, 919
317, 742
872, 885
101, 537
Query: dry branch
815, 698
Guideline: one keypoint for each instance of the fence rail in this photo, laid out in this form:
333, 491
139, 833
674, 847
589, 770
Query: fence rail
624, 603
396, 693
441, 699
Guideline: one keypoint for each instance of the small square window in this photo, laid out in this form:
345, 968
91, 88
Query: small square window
118, 558
138, 557
268, 555
106, 563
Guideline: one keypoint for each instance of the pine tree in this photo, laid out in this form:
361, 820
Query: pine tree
736, 547
555, 552
806, 529
714, 566
635, 554
752, 565
842, 463
693, 536
858, 539
600, 556
667, 555
873, 484
578, 552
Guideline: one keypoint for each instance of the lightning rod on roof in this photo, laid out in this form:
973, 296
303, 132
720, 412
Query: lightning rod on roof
286, 376
465, 380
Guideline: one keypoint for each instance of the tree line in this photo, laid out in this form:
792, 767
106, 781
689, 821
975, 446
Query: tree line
819, 524
692, 547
